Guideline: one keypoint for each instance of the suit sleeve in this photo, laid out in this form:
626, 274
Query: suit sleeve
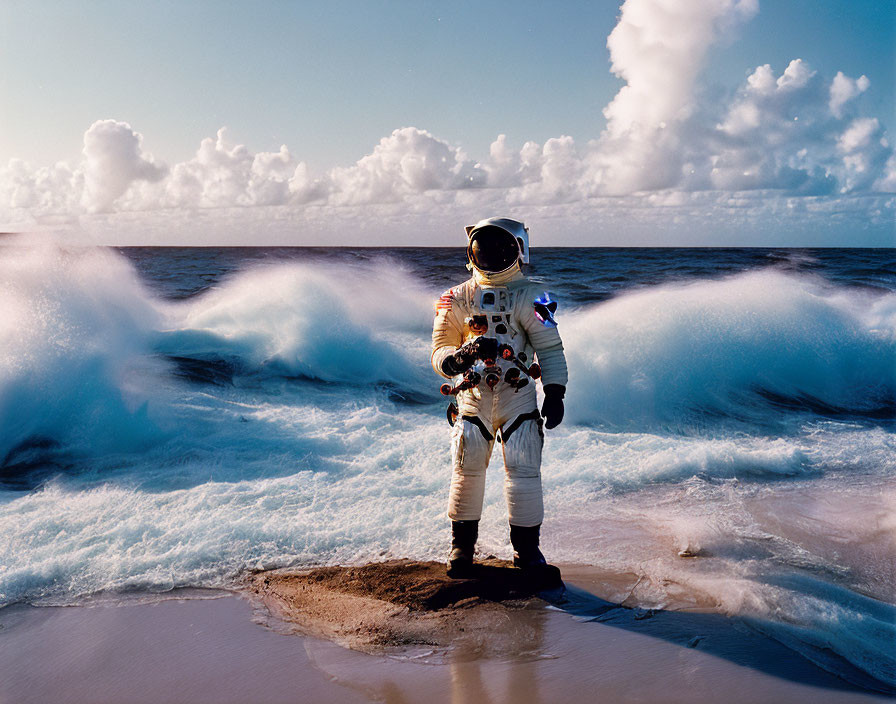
545, 341
447, 331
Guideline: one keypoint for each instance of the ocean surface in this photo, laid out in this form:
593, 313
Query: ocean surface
173, 416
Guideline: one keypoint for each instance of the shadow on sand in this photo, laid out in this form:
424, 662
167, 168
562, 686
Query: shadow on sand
771, 648
741, 641
744, 642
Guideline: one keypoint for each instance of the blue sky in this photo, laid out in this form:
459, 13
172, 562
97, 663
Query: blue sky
330, 80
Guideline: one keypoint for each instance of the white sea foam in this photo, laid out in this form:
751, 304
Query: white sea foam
678, 355
80, 334
306, 459
80, 339
73, 343
347, 325
343, 495
808, 562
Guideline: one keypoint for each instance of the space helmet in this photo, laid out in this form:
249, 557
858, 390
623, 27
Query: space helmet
497, 244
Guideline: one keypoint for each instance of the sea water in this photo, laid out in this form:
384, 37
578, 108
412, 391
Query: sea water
171, 417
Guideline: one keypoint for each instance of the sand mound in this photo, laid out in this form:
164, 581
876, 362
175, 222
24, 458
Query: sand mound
402, 604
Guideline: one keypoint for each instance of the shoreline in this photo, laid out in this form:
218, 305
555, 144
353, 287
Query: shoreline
222, 646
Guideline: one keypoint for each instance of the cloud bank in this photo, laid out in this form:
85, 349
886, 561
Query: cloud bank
792, 142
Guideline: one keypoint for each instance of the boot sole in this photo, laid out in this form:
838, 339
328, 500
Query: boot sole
464, 571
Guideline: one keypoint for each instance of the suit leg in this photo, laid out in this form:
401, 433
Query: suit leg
471, 447
522, 479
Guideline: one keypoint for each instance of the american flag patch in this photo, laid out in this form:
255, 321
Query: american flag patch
444, 302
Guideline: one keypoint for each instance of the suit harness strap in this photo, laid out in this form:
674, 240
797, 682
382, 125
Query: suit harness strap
477, 421
507, 431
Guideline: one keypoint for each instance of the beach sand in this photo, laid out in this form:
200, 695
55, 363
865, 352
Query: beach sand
342, 639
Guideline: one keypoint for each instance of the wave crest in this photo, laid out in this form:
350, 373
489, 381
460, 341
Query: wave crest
340, 325
73, 351
731, 348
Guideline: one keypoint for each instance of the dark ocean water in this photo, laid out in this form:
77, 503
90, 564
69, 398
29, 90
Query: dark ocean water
585, 275
172, 416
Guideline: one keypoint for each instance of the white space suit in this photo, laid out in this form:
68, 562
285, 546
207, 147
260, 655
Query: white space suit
503, 413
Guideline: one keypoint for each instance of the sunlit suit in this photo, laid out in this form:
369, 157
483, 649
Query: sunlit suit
486, 332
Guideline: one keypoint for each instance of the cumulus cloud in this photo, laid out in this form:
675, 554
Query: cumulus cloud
113, 160
548, 173
53, 189
886, 183
865, 153
223, 174
780, 132
507, 167
843, 89
657, 48
408, 161
785, 139
792, 132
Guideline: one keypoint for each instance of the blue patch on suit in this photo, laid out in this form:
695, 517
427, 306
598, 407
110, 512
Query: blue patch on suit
545, 307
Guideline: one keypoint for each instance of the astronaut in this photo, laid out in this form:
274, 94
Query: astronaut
485, 333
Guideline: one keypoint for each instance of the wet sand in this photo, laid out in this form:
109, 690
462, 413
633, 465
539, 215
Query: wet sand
205, 646
406, 607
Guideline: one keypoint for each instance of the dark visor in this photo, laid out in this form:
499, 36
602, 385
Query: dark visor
493, 249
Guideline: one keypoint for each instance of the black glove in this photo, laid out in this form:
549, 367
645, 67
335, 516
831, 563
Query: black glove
552, 408
465, 357
486, 347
